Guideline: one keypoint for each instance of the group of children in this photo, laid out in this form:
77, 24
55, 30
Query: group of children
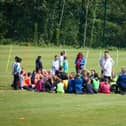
58, 80
61, 82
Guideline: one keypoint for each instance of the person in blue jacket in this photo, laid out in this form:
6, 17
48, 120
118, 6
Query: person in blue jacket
79, 62
78, 83
121, 81
71, 87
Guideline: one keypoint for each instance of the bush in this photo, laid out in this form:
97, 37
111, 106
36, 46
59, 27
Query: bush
5, 41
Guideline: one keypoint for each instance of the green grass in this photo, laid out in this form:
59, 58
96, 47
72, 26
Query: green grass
18, 108
41, 109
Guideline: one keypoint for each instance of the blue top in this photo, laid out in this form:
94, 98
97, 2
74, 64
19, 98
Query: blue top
65, 66
16, 69
78, 85
71, 88
82, 63
121, 82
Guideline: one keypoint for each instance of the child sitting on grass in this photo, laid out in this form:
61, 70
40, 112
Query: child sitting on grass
71, 87
60, 87
89, 87
95, 83
121, 82
25, 81
40, 87
78, 82
104, 86
113, 83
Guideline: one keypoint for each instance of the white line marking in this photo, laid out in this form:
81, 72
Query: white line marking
9, 56
87, 54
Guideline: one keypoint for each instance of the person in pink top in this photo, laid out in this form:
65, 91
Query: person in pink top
40, 87
104, 86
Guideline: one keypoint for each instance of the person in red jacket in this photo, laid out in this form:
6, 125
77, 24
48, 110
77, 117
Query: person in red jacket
104, 86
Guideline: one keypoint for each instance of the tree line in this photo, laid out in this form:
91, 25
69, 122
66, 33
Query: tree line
91, 23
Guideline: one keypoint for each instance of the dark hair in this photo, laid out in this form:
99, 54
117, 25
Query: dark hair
29, 74
60, 68
38, 58
96, 75
61, 53
65, 57
18, 59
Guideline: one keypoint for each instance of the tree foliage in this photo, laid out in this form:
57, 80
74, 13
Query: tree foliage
64, 22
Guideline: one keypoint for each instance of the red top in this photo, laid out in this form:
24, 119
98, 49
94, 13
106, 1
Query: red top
104, 88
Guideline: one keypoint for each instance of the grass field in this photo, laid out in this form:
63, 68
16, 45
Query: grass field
40, 109
29, 54
18, 108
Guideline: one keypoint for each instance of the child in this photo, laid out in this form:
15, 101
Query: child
71, 88
78, 84
65, 82
92, 74
61, 58
113, 84
21, 77
104, 86
25, 81
40, 87
121, 82
33, 77
49, 84
95, 83
89, 87
37, 76
79, 62
60, 87
16, 72
28, 79
65, 64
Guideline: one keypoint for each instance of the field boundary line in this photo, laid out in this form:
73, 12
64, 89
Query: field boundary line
87, 54
9, 56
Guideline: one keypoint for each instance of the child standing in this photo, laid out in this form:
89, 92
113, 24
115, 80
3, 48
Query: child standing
65, 64
61, 58
79, 62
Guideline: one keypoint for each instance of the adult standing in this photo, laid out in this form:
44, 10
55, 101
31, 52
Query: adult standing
16, 71
106, 64
38, 64
79, 62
